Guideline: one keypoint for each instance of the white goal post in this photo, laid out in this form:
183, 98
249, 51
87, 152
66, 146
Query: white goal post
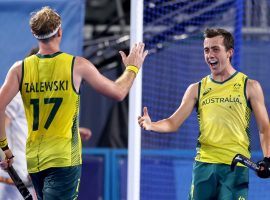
135, 105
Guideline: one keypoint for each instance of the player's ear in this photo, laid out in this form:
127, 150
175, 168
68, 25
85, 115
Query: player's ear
230, 53
59, 32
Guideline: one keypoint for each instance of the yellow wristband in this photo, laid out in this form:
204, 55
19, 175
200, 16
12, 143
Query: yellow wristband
133, 69
3, 143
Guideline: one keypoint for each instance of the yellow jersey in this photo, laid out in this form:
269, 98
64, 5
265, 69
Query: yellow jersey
52, 107
224, 116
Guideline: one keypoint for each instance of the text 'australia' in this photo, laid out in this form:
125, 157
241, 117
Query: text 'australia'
60, 85
221, 100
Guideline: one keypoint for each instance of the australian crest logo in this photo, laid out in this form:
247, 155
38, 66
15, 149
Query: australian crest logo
236, 86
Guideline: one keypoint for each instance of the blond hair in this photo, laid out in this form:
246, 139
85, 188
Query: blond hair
44, 22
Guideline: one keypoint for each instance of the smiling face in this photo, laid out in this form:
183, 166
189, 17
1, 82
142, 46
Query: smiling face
216, 55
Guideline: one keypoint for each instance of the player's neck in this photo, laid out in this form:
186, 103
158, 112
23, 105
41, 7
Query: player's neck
223, 75
48, 48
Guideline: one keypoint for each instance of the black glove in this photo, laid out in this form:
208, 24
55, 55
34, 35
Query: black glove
264, 168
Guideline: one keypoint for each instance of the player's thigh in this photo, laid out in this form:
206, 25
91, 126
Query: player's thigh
233, 184
204, 183
62, 183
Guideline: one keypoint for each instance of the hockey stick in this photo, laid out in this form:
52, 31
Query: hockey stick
17, 180
245, 161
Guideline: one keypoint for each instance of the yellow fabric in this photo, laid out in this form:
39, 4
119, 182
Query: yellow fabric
51, 107
3, 143
224, 115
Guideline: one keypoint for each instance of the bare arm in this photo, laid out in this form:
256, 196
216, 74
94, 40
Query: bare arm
7, 121
172, 123
118, 89
256, 97
8, 91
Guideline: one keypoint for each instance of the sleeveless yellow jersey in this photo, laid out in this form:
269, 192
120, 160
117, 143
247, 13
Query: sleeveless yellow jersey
51, 107
224, 116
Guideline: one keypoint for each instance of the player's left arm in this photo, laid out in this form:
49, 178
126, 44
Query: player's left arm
256, 98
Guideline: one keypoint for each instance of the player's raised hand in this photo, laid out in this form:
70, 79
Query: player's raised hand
145, 120
136, 55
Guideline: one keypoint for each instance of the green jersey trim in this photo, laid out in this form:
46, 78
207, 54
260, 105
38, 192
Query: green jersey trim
210, 76
49, 55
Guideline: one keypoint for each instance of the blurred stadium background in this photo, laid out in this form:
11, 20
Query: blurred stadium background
98, 29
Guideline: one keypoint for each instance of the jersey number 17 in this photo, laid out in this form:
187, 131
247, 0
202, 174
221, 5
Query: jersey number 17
35, 102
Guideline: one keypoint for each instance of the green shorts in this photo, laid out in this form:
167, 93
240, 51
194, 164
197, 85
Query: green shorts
57, 183
217, 181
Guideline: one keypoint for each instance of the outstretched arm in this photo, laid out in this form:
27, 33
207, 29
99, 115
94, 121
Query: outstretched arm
256, 97
172, 123
118, 89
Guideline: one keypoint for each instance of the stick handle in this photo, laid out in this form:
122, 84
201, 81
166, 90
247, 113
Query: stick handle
19, 183
17, 180
251, 165
247, 162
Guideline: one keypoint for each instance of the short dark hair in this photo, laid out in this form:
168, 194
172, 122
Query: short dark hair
228, 37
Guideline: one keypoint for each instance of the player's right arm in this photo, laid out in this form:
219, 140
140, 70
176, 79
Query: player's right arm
7, 92
172, 123
118, 89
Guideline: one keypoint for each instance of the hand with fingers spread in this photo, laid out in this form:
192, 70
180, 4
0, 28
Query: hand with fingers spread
145, 120
136, 55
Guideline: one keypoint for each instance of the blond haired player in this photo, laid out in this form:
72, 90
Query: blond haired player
49, 83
